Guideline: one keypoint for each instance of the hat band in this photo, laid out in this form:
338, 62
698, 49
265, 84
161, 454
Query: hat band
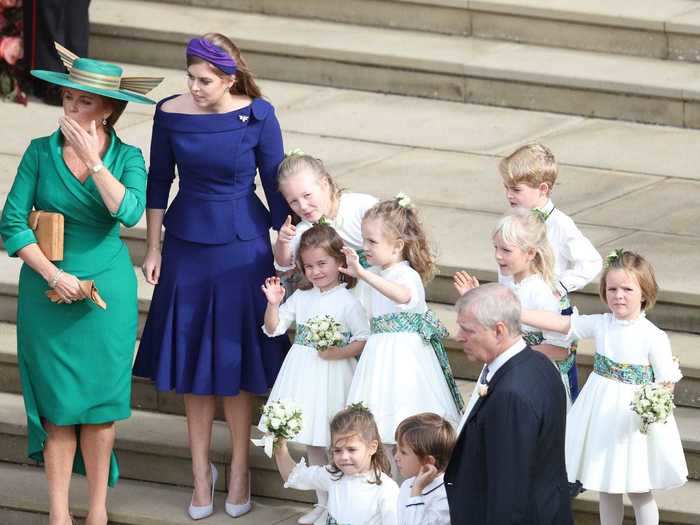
95, 79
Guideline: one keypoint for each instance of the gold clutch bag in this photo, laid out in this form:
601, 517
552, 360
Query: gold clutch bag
48, 229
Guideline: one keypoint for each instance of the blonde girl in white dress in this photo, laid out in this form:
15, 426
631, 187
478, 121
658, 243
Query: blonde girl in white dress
525, 258
359, 490
317, 381
403, 369
605, 449
314, 196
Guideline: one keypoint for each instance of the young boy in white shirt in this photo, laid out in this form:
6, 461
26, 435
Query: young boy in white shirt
424, 444
529, 174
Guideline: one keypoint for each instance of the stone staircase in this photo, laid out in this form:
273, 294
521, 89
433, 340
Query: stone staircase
626, 184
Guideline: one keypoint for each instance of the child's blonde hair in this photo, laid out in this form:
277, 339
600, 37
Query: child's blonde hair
357, 420
293, 163
401, 223
532, 164
527, 231
636, 265
325, 237
427, 434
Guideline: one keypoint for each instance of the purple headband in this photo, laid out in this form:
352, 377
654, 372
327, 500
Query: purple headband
213, 54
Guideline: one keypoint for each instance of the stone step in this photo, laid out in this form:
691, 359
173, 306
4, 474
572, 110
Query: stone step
154, 460
24, 500
464, 69
647, 28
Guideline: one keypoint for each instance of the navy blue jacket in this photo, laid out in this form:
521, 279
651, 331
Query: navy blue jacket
217, 157
508, 466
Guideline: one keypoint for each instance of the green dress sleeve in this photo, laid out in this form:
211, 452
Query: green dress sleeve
14, 228
134, 180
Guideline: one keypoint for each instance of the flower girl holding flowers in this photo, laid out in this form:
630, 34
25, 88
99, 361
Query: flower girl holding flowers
403, 369
356, 481
331, 329
611, 444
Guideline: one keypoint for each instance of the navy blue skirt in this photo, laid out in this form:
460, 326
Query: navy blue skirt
203, 333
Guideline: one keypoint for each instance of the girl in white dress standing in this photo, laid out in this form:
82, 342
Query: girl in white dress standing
523, 254
605, 449
316, 380
359, 490
403, 369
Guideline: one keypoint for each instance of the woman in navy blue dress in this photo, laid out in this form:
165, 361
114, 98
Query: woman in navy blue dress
203, 335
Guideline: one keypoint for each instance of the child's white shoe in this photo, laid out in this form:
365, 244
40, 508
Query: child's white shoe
310, 517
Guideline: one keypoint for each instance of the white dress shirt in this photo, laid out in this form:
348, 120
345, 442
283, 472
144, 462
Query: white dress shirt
430, 508
493, 366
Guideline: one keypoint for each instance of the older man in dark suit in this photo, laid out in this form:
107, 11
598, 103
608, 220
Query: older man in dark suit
508, 466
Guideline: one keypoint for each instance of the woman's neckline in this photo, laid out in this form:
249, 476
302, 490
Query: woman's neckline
209, 114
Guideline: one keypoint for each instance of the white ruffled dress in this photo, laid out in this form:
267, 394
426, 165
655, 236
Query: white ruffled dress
605, 450
398, 374
319, 387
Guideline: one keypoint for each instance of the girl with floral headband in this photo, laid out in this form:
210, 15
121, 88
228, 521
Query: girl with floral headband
331, 330
607, 449
403, 369
314, 195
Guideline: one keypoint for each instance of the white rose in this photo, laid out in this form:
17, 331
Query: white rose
275, 423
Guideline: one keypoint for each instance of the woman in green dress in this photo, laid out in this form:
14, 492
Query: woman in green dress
75, 358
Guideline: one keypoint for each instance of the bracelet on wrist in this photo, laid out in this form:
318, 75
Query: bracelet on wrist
54, 280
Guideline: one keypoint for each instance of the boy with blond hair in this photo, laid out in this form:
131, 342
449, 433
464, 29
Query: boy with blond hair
529, 174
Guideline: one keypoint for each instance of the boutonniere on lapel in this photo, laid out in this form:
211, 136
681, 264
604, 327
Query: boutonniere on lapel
483, 390
244, 118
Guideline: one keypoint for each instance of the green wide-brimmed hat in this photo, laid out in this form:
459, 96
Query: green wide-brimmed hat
101, 78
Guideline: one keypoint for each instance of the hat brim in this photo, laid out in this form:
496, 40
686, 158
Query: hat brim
63, 79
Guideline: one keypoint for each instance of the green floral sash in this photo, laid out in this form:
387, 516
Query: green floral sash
536, 338
431, 330
622, 372
303, 337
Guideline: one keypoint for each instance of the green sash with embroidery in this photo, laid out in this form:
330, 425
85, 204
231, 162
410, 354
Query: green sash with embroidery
622, 372
536, 338
431, 330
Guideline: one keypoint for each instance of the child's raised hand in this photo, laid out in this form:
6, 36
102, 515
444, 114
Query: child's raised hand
463, 282
425, 477
273, 290
287, 232
353, 267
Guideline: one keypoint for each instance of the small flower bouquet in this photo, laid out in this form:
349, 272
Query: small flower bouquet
653, 403
281, 420
324, 332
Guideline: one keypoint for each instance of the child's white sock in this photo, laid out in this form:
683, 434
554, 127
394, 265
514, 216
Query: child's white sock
611, 509
645, 510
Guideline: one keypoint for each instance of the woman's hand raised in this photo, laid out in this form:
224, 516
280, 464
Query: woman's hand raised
86, 144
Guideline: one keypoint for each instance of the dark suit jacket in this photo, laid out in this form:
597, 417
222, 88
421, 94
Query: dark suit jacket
508, 465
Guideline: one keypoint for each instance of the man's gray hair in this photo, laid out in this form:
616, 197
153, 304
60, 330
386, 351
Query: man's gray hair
492, 303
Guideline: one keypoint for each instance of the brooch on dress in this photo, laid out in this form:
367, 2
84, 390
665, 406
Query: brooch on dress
244, 118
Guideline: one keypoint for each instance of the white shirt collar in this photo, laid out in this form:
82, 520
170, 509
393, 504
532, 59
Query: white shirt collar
503, 358
547, 208
439, 480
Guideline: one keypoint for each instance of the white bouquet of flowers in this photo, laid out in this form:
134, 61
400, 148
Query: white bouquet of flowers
653, 403
324, 332
281, 420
